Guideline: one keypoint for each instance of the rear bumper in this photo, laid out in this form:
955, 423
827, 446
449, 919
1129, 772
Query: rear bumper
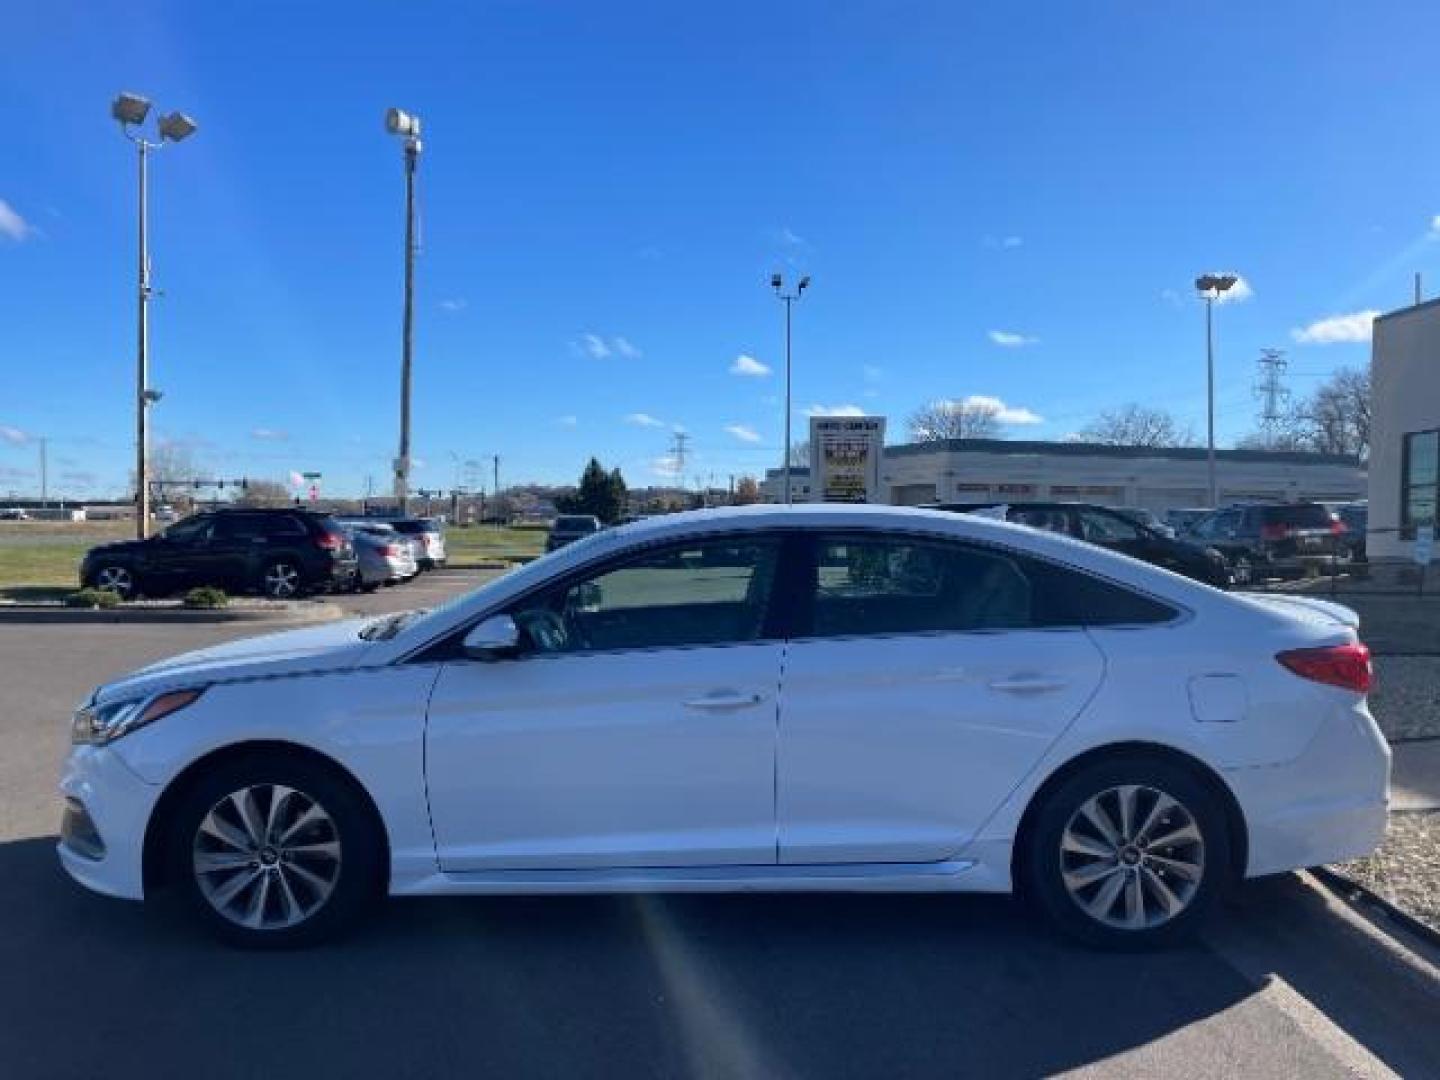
1329, 804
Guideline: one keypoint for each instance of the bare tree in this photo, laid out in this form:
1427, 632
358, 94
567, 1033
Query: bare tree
1333, 420
747, 491
1136, 425
1336, 419
264, 493
955, 420
800, 454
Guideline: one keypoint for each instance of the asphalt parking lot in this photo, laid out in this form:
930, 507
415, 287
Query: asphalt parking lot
1288, 983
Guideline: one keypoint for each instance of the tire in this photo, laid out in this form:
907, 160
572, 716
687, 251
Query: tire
248, 890
1070, 869
282, 579
118, 578
370, 586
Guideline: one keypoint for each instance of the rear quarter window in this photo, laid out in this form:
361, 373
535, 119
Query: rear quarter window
1302, 515
1064, 597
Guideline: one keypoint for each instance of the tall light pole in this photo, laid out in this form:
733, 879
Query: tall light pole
1210, 287
778, 284
130, 111
406, 126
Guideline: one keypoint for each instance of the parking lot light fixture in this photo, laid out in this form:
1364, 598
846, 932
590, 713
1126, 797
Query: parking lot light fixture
777, 282
406, 126
1210, 288
131, 111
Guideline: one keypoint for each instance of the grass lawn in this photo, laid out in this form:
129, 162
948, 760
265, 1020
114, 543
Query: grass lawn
492, 542
40, 560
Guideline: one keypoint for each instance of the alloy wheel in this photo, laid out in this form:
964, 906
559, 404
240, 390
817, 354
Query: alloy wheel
1132, 857
115, 579
282, 581
266, 857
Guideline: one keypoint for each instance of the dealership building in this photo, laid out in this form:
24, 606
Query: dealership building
1404, 429
1157, 478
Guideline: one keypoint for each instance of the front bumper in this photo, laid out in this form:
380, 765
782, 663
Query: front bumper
1328, 805
115, 804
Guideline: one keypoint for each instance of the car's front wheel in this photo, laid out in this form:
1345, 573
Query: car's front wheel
1127, 853
272, 852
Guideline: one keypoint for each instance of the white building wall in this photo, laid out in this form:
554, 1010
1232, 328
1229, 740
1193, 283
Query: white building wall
1404, 397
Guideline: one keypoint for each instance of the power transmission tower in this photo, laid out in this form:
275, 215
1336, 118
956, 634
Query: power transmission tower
679, 451
1271, 392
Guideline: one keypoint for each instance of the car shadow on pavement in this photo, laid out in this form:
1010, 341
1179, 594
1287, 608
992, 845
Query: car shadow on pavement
801, 985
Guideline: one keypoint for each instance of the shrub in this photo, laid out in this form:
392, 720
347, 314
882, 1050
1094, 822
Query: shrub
206, 598
93, 598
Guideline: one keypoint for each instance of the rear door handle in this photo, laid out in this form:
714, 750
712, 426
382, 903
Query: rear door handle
718, 702
1027, 684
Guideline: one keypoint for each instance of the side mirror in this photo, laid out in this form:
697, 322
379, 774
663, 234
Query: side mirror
492, 638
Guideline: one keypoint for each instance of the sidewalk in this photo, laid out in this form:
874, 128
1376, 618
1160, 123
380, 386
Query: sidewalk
1415, 779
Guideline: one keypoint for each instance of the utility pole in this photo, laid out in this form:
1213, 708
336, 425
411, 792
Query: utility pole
1271, 392
678, 454
403, 124
495, 461
44, 474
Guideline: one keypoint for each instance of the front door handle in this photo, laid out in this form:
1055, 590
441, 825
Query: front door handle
1027, 684
722, 700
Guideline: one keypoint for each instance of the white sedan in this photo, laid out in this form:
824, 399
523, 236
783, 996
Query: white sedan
768, 698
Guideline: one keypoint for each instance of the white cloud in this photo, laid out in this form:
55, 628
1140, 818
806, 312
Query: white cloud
640, 419
748, 365
1336, 328
1435, 224
13, 435
454, 304
265, 434
1171, 297
769, 399
835, 410
743, 433
593, 346
1009, 339
13, 225
568, 421
790, 238
872, 373
1004, 243
1005, 414
601, 348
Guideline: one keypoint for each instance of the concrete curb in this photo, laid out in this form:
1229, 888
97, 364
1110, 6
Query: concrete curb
1377, 909
296, 616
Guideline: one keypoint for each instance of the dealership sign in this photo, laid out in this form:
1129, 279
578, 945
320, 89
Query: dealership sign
845, 454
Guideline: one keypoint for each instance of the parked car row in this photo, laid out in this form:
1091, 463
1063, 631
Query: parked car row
279, 553
1232, 546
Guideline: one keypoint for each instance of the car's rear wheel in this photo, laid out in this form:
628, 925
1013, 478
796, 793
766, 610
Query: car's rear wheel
273, 853
281, 580
1127, 853
117, 579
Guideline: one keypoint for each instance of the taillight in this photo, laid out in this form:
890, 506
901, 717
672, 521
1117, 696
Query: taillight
1338, 527
328, 541
1276, 531
390, 550
1345, 666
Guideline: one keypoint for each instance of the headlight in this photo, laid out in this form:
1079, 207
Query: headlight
96, 725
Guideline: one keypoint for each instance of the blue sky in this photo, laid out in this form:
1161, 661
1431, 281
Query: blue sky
998, 200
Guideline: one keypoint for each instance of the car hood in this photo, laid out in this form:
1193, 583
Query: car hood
116, 547
290, 652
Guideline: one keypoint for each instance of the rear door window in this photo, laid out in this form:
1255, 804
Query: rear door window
1297, 516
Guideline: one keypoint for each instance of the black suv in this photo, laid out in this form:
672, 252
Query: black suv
1114, 530
281, 553
571, 527
1274, 539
